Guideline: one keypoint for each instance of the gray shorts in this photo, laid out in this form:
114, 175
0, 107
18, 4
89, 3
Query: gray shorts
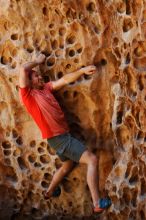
67, 147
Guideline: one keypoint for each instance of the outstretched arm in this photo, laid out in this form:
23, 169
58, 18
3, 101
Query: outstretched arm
25, 68
71, 77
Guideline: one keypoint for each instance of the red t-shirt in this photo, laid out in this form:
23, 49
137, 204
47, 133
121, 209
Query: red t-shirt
36, 113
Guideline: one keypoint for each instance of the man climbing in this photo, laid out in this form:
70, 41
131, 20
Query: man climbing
41, 104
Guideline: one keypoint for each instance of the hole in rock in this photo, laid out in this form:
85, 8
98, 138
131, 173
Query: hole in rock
127, 61
58, 163
14, 36
10, 79
119, 117
51, 25
140, 64
41, 150
21, 163
143, 186
44, 184
54, 44
72, 83
97, 29
35, 211
19, 140
115, 41
138, 51
70, 15
17, 152
135, 152
46, 52
70, 203
59, 74
71, 53
68, 66
71, 40
7, 161
7, 133
53, 33
45, 158
45, 10
80, 50
51, 61
48, 176
30, 49
13, 66
14, 52
141, 86
91, 7
140, 135
32, 158
37, 164
128, 9
127, 25
132, 216
17, 88
61, 45
103, 62
117, 52
121, 7
129, 167
32, 143
43, 144
30, 195
58, 53
14, 133
51, 150
57, 12
62, 31
6, 60
67, 185
7, 152
75, 94
6, 145
76, 60
126, 196
134, 177
114, 189
12, 177
134, 197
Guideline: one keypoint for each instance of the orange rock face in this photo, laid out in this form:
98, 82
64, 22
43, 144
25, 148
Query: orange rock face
107, 111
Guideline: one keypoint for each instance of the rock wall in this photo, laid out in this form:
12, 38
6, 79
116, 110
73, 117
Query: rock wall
106, 111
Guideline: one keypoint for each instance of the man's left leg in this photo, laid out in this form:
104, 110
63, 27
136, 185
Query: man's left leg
58, 176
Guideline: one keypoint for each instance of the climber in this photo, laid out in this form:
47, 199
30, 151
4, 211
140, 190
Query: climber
41, 104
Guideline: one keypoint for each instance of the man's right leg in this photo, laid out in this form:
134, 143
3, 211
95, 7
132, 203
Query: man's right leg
58, 176
91, 161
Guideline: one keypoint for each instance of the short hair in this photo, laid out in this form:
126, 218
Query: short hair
30, 72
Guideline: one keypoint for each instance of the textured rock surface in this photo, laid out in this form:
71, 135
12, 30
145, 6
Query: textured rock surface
106, 111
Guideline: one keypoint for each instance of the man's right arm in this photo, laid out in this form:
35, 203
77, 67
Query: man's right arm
25, 68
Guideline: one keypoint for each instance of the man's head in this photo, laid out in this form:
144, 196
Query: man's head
36, 80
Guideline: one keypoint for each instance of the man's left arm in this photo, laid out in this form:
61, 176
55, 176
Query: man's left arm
71, 77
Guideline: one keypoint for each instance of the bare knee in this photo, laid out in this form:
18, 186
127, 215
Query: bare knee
92, 160
88, 158
66, 168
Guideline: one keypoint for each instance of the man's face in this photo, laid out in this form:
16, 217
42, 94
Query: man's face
37, 80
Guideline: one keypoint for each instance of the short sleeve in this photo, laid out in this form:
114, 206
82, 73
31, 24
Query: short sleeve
24, 93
